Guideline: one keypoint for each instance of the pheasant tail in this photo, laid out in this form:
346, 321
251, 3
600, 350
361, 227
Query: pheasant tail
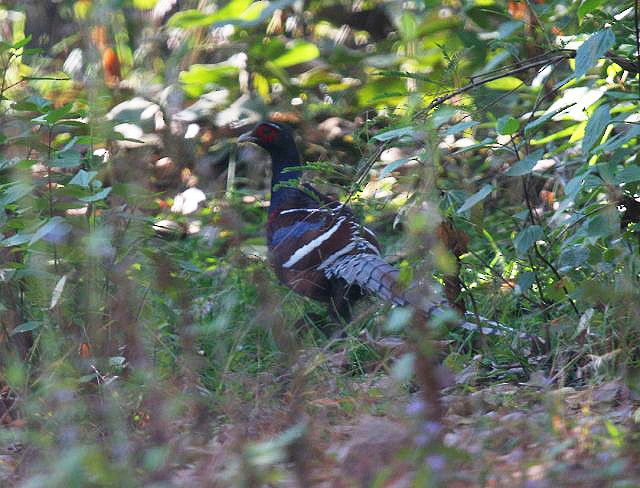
372, 273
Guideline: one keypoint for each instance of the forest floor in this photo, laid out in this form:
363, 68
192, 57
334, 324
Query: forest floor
359, 432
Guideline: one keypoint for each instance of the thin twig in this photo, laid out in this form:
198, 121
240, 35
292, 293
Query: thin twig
475, 83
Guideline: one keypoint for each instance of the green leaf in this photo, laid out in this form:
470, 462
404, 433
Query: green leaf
526, 165
27, 326
628, 174
22, 42
524, 281
301, 52
593, 49
572, 258
604, 224
83, 178
14, 192
476, 198
595, 128
67, 159
101, 195
507, 125
527, 237
394, 133
254, 12
55, 115
588, 6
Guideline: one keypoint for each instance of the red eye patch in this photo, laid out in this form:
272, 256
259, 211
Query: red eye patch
266, 133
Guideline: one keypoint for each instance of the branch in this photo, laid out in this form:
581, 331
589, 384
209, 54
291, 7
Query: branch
546, 59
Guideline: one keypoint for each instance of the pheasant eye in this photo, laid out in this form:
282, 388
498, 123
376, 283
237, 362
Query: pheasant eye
266, 133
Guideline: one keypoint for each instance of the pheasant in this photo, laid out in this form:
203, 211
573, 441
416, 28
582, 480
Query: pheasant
318, 247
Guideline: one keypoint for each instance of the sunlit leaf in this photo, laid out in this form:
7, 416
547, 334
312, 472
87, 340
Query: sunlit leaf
301, 52
144, 4
231, 12
505, 83
189, 19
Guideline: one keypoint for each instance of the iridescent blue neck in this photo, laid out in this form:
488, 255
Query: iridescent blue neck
283, 164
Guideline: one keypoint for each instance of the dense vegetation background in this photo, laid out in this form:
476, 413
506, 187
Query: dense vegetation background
144, 340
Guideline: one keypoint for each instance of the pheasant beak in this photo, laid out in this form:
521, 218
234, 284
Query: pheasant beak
247, 137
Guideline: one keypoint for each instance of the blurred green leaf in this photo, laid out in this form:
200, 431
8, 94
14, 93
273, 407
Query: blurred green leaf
460, 127
50, 226
299, 52
507, 125
476, 198
27, 327
144, 4
101, 195
403, 368
393, 165
526, 165
188, 19
588, 6
13, 192
506, 83
394, 133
